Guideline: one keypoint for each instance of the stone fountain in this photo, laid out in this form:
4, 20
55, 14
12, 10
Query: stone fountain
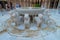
20, 23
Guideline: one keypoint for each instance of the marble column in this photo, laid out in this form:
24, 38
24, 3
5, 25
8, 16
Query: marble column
58, 5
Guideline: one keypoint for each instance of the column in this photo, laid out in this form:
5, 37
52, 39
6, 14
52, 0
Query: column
58, 4
48, 3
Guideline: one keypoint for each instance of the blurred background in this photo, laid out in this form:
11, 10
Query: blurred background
12, 4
